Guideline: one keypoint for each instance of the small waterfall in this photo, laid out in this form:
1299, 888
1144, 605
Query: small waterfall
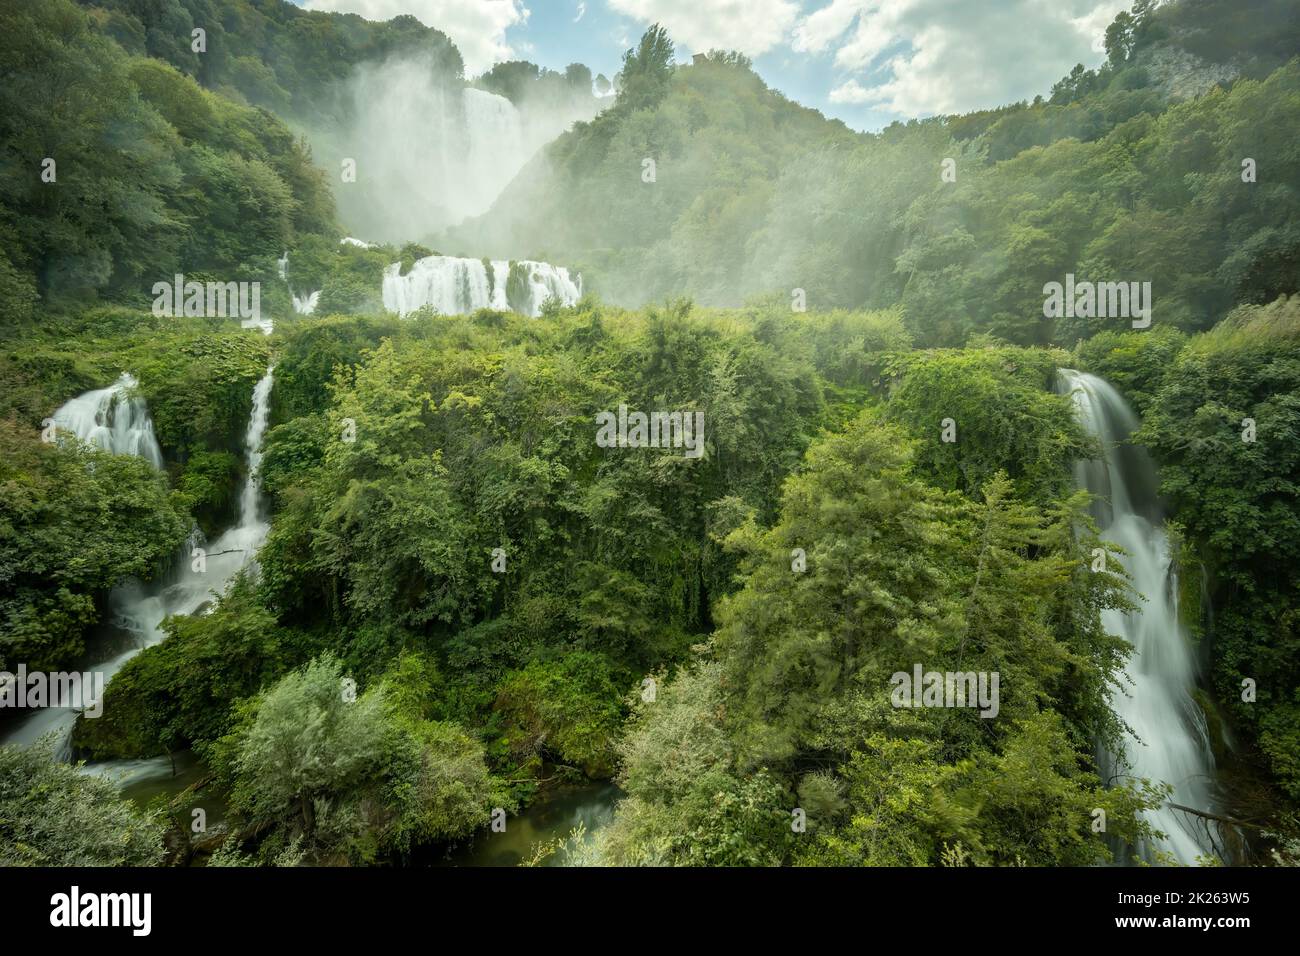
306, 304
1170, 743
302, 304
137, 610
455, 286
114, 419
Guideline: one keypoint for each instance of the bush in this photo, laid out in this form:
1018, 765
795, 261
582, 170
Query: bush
52, 814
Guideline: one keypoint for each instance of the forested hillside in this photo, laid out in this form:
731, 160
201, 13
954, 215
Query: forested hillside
397, 586
1118, 172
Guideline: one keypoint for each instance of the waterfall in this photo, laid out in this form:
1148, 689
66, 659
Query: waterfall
1170, 743
138, 610
455, 286
431, 152
494, 148
306, 304
302, 304
114, 419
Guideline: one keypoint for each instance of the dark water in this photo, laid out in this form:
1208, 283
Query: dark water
155, 780
552, 815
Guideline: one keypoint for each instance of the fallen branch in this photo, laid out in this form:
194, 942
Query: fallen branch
1214, 816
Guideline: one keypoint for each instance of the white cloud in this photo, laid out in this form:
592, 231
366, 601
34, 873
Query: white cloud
477, 27
750, 26
1092, 25
582, 9
851, 92
815, 32
946, 56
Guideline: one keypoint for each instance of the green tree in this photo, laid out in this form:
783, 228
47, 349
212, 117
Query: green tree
52, 814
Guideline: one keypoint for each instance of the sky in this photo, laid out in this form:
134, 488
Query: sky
866, 62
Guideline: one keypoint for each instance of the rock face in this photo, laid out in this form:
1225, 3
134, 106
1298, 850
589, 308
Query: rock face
1184, 75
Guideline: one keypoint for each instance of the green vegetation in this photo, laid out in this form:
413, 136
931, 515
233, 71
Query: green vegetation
1116, 176
464, 599
897, 571
348, 779
51, 814
73, 521
154, 175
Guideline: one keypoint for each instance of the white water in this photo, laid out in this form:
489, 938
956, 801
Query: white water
495, 147
113, 419
140, 609
306, 304
429, 153
1170, 743
456, 286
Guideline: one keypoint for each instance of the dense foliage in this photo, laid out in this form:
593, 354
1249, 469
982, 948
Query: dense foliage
153, 175
466, 597
52, 814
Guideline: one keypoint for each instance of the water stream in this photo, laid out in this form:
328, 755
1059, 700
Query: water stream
551, 815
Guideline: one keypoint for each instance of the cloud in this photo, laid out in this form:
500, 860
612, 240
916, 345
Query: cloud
582, 9
750, 26
851, 92
477, 27
948, 56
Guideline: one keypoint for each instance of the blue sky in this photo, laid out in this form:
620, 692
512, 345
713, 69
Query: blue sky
867, 62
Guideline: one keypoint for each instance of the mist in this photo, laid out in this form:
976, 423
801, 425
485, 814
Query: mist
429, 151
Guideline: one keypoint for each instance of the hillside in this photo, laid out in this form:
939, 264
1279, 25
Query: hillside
1129, 170
814, 523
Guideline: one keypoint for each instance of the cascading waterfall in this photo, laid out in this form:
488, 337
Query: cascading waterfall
139, 609
1170, 743
455, 286
114, 419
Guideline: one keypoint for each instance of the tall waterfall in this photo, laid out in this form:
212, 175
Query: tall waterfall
1170, 743
495, 148
456, 286
429, 151
139, 609
114, 419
